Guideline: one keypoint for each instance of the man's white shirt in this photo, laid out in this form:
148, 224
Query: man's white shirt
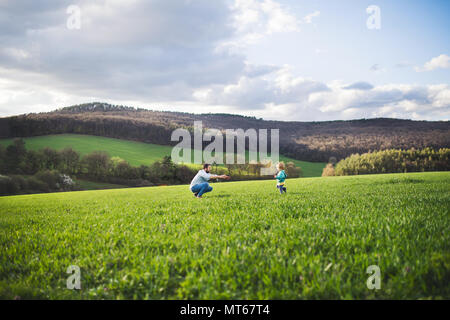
201, 177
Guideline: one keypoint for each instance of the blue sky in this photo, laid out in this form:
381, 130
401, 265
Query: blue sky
338, 45
275, 59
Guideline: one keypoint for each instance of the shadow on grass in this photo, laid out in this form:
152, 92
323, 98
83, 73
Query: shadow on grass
221, 196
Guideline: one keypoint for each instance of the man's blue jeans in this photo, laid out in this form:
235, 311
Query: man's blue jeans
201, 188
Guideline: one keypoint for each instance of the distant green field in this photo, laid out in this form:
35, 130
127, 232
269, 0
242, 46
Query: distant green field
136, 153
242, 241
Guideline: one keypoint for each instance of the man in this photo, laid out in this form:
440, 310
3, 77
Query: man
200, 185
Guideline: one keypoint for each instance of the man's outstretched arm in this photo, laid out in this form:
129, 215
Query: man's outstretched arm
223, 176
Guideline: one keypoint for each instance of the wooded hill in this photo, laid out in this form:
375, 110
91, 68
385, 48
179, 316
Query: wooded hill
309, 141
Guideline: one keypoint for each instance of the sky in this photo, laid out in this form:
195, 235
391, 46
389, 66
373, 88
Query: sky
299, 60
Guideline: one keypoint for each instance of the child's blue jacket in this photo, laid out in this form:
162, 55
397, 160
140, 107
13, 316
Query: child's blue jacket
281, 176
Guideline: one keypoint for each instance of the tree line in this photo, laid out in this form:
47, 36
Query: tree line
391, 161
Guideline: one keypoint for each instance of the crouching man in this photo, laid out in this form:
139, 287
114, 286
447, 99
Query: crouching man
200, 185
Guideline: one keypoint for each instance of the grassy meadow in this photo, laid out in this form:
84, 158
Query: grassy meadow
242, 241
136, 153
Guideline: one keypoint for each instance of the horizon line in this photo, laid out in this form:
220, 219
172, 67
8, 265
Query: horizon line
138, 109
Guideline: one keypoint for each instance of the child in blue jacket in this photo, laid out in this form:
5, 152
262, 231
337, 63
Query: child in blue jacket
281, 177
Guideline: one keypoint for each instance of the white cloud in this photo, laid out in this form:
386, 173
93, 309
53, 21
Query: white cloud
16, 54
15, 98
309, 18
392, 100
263, 17
281, 95
280, 87
439, 62
255, 19
440, 95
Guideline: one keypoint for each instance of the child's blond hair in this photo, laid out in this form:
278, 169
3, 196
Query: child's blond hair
280, 165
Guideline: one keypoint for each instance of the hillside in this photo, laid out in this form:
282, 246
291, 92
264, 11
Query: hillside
136, 153
241, 241
309, 141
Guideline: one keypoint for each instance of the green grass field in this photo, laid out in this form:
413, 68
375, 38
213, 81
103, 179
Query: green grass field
136, 153
242, 241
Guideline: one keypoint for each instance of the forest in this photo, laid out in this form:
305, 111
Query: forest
391, 161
